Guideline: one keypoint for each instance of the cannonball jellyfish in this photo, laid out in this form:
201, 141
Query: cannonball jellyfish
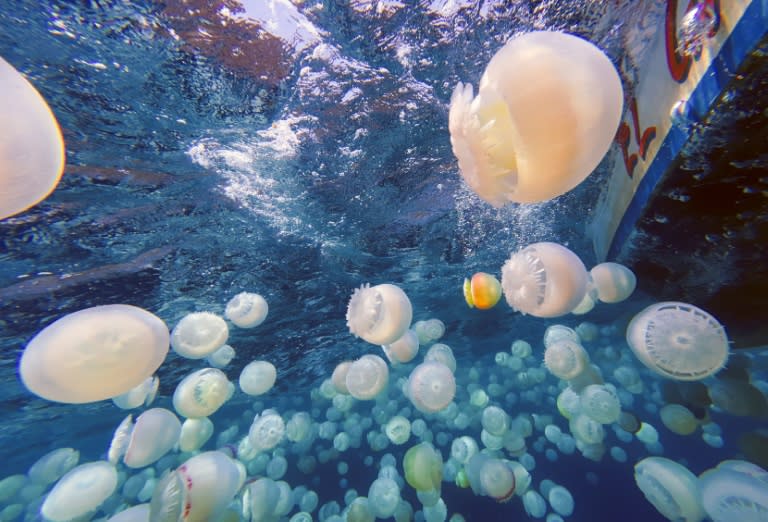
614, 282
423, 466
199, 334
678, 341
670, 487
199, 490
154, 434
544, 280
94, 354
483, 291
566, 359
546, 112
31, 144
367, 377
379, 314
404, 349
80, 491
258, 377
201, 393
431, 387
246, 310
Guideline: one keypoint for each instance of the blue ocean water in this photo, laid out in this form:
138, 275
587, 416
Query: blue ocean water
300, 150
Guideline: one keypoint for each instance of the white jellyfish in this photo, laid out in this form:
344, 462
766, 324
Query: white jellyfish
441, 353
258, 377
80, 492
155, 432
367, 377
614, 282
195, 433
53, 465
431, 387
201, 393
379, 314
398, 430
490, 477
561, 500
383, 497
735, 490
601, 403
247, 310
32, 152
339, 376
267, 431
138, 513
94, 354
463, 448
199, 334
670, 487
221, 357
141, 395
495, 420
510, 139
544, 280
404, 349
678, 341
566, 359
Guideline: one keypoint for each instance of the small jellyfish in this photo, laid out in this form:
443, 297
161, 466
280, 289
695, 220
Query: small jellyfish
510, 140
199, 334
483, 291
379, 314
383, 497
404, 349
195, 433
490, 477
339, 376
154, 434
614, 282
544, 280
398, 430
246, 310
670, 487
600, 403
441, 353
367, 377
429, 331
141, 395
566, 359
463, 448
32, 152
495, 420
423, 467
258, 377
678, 419
561, 500
678, 341
221, 357
431, 387
94, 354
267, 431
201, 393
80, 491
53, 465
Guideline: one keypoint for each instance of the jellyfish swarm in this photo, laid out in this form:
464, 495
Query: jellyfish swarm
678, 341
31, 145
546, 113
94, 354
379, 314
483, 291
544, 280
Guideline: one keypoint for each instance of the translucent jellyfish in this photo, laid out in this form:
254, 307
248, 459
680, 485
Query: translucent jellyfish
614, 282
383, 497
267, 431
32, 155
94, 354
10, 486
463, 448
678, 341
670, 487
561, 500
600, 403
441, 353
544, 280
221, 357
53, 465
404, 349
678, 419
379, 314
534, 504
299, 427
566, 359
490, 477
141, 395
367, 377
629, 379
195, 433
429, 330
647, 434
80, 491
139, 513
521, 348
587, 331
339, 376
398, 430
199, 490
199, 334
431, 387
155, 432
423, 467
258, 377
510, 140
201, 393
483, 291
360, 511
246, 310
495, 420
735, 492
586, 429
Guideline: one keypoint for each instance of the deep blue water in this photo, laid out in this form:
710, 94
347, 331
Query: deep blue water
317, 165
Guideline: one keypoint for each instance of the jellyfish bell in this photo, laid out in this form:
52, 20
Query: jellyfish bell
267, 431
379, 314
566, 359
247, 310
431, 387
423, 467
80, 492
490, 477
367, 377
140, 395
339, 376
94, 354
735, 492
195, 433
671, 488
31, 144
544, 280
154, 434
614, 282
483, 291
600, 403
441, 353
510, 140
258, 377
201, 393
199, 335
678, 419
53, 465
138, 513
404, 349
678, 341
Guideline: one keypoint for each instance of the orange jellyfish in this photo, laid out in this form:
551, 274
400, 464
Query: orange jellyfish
483, 291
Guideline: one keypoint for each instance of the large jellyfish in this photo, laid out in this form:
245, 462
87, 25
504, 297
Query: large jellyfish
431, 387
156, 431
544, 280
31, 145
80, 491
199, 335
201, 393
735, 490
258, 377
678, 341
379, 314
670, 487
94, 354
614, 282
545, 114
